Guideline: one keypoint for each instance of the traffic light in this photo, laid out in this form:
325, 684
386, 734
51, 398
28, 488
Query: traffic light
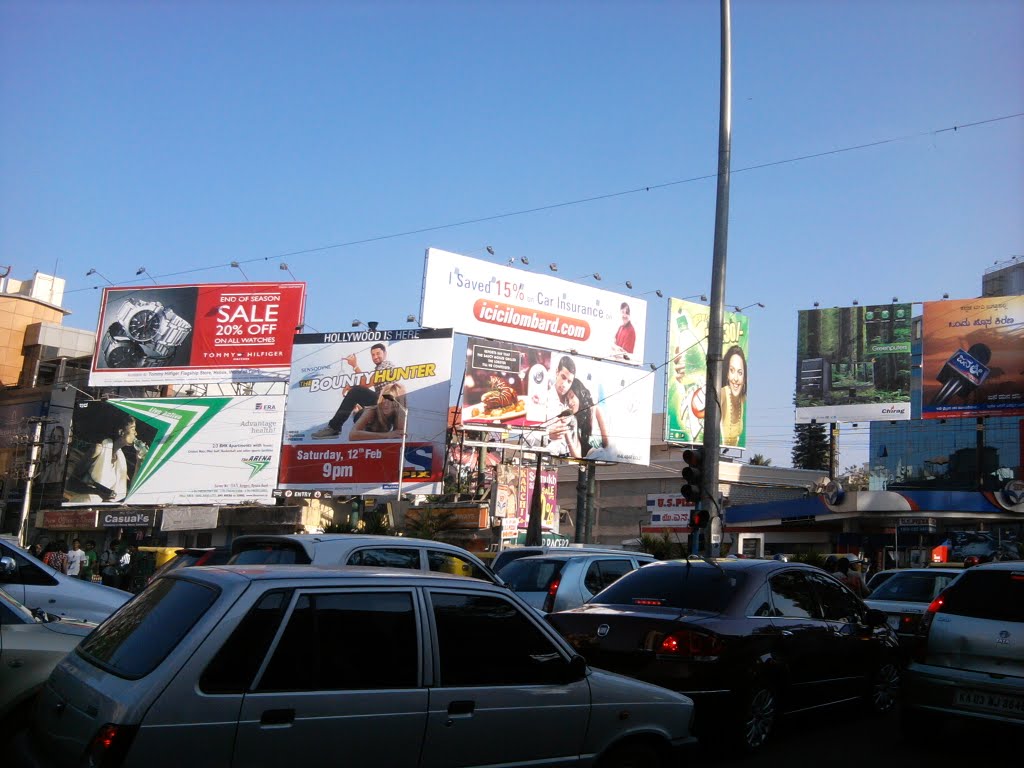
698, 519
693, 474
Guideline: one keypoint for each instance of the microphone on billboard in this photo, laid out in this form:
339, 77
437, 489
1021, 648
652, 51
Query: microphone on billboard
963, 373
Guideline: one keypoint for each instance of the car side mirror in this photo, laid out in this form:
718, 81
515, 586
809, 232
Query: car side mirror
874, 617
576, 669
7, 566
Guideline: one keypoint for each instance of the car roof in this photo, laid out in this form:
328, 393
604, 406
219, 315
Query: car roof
358, 538
999, 565
216, 574
922, 569
574, 554
740, 564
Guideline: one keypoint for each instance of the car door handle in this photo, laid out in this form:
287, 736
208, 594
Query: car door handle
786, 633
459, 709
278, 717
15, 663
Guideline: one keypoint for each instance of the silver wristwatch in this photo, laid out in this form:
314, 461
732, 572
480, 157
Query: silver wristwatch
158, 328
119, 351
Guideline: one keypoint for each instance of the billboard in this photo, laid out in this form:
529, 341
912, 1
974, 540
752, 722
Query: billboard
668, 511
513, 498
354, 397
200, 334
577, 407
686, 377
483, 299
174, 450
853, 363
973, 358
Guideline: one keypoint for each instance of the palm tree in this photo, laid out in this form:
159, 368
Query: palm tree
760, 460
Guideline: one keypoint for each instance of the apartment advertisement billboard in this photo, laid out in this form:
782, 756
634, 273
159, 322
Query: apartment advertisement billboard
200, 334
973, 358
175, 450
575, 406
686, 378
479, 298
352, 398
853, 364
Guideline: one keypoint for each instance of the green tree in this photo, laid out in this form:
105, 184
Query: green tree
760, 460
426, 523
810, 447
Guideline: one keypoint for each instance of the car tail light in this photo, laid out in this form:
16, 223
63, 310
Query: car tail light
925, 625
203, 558
110, 744
549, 601
690, 644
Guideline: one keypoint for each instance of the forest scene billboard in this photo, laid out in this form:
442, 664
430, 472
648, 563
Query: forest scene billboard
853, 363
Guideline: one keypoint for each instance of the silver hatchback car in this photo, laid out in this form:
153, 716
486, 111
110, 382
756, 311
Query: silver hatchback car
277, 666
970, 661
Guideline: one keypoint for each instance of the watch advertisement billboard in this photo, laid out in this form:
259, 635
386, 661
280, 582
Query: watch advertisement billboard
853, 363
973, 358
575, 406
479, 298
174, 450
357, 400
199, 334
686, 377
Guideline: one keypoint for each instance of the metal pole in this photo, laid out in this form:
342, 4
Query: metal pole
581, 503
833, 450
979, 453
26, 500
533, 527
712, 408
591, 493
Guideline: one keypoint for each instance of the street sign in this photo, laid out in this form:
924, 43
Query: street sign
916, 525
288, 493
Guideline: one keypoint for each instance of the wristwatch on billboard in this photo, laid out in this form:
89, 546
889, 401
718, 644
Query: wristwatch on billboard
119, 351
153, 325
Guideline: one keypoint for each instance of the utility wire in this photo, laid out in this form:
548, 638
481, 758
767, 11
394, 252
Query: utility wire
584, 200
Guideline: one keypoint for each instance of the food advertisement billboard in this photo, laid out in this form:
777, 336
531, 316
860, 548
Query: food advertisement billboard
973, 358
479, 298
175, 450
199, 334
357, 400
576, 406
853, 363
686, 377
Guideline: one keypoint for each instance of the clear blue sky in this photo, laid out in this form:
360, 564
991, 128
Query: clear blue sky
180, 136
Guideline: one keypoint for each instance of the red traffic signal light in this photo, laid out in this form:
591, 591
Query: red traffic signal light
699, 518
693, 474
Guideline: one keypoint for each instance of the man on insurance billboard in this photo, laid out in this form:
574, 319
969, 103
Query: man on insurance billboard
479, 298
211, 333
357, 400
973, 357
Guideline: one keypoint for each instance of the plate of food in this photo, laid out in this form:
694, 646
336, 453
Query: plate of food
499, 403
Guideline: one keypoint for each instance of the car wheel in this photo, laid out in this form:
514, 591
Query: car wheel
634, 755
755, 719
885, 689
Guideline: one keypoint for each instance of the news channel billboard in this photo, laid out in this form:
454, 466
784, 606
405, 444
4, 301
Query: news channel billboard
571, 405
356, 400
973, 358
479, 298
686, 377
174, 450
853, 364
200, 334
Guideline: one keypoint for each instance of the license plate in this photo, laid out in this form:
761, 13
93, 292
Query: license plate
991, 702
894, 622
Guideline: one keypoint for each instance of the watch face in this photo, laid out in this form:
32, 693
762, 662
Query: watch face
143, 325
124, 356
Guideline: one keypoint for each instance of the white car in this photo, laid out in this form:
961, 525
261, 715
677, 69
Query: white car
37, 586
905, 595
30, 647
297, 665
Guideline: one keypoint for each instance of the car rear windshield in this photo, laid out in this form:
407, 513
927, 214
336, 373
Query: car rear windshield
995, 594
913, 587
511, 555
530, 575
694, 588
135, 639
269, 553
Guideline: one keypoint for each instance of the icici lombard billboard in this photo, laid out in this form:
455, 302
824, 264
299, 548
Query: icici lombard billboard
479, 298
201, 334
973, 358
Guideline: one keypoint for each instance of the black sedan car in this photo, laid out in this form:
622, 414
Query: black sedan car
747, 640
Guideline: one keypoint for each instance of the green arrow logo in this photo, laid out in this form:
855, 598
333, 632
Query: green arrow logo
256, 464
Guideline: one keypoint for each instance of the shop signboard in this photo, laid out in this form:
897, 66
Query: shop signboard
68, 519
191, 518
686, 377
197, 334
356, 401
175, 450
480, 298
853, 364
668, 510
973, 358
